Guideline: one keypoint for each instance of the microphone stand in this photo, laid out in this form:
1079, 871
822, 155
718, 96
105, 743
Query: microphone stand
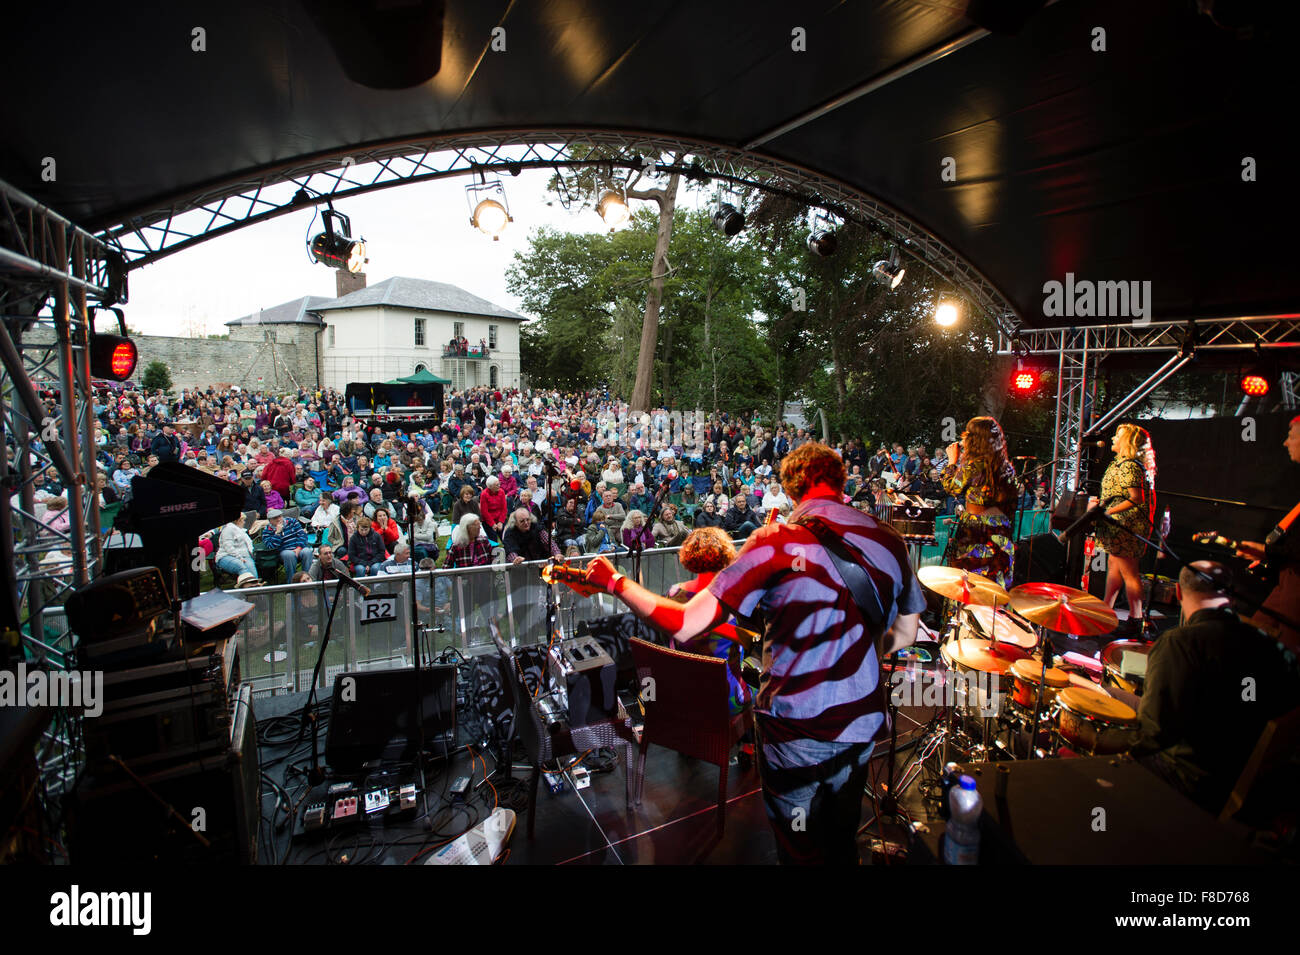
412, 503
316, 775
1163, 546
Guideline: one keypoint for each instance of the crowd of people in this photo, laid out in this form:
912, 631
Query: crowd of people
502, 469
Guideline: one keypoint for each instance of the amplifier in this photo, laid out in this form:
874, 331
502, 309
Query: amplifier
585, 673
177, 707
911, 517
115, 817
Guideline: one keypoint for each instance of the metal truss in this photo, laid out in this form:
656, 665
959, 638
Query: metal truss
48, 270
182, 221
1078, 350
1219, 334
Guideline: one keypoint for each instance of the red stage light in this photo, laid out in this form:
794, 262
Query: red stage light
1255, 386
112, 357
1024, 382
123, 361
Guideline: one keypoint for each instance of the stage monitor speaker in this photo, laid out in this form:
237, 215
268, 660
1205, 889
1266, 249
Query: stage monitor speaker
373, 716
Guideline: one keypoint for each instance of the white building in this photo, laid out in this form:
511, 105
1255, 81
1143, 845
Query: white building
402, 325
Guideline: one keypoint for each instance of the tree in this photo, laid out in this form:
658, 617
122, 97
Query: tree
157, 377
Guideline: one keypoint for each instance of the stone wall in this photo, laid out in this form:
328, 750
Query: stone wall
247, 359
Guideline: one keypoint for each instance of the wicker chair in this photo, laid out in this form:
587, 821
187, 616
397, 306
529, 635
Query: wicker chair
687, 711
541, 746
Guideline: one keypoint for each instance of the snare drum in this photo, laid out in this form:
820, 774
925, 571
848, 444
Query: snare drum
1026, 674
980, 623
973, 665
1112, 659
1095, 723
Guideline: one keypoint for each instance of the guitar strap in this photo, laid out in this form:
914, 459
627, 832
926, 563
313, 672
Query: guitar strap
1283, 526
855, 577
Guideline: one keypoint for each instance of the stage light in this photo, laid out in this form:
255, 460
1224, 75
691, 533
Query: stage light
112, 357
890, 272
945, 313
822, 241
489, 211
335, 246
1024, 382
728, 220
1254, 385
490, 218
612, 208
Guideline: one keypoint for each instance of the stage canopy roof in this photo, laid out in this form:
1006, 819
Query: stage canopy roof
1117, 165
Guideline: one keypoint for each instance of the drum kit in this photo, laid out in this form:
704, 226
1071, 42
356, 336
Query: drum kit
1006, 694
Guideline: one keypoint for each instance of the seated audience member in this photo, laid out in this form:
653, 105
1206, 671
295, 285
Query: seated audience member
615, 514
400, 562
1198, 724
707, 514
569, 526
366, 553
668, 530
526, 540
740, 520
466, 503
254, 496
374, 502
235, 549
287, 537
324, 520
493, 508
274, 502
636, 535
469, 547
639, 500
425, 544
387, 528
775, 497
598, 538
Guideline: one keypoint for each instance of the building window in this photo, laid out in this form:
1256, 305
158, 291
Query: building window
492, 336
458, 329
420, 367
493, 376
331, 336
419, 332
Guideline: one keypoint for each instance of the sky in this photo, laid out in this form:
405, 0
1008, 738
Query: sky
420, 230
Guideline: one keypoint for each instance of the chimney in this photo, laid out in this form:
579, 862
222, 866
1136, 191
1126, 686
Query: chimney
345, 282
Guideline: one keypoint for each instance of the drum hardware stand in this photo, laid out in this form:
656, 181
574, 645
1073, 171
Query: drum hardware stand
1045, 643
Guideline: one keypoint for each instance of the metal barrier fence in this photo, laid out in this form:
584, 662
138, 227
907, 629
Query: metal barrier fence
280, 638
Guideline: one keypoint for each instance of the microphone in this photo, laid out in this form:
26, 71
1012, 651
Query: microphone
1089, 516
351, 581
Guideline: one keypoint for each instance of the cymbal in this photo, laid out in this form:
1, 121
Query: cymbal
970, 653
963, 586
1063, 609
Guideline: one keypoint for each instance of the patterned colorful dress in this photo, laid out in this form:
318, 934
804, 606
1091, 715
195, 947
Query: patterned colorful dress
1125, 473
982, 543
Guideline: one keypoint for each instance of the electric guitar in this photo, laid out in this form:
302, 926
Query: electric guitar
1261, 572
575, 578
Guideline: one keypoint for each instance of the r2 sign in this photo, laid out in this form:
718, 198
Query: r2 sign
378, 608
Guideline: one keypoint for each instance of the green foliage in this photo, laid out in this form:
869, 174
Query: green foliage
157, 377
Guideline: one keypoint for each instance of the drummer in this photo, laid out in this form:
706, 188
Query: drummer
1211, 686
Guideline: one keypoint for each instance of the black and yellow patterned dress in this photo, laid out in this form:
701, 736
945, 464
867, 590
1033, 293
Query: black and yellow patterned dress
982, 543
1124, 473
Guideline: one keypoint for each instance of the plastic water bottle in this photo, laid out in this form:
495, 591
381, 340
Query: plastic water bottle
947, 782
961, 844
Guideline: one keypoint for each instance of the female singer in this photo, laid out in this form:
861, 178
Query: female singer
1128, 495
982, 474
